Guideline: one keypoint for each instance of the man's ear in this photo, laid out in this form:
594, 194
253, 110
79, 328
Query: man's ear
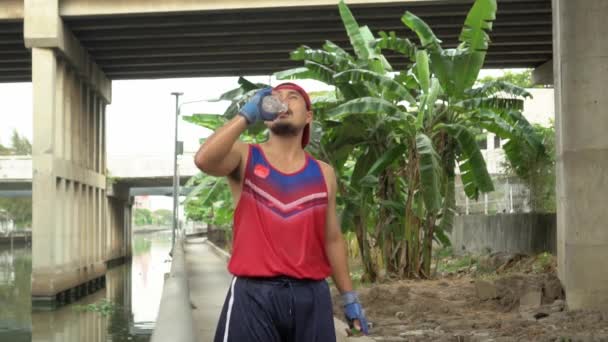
309, 116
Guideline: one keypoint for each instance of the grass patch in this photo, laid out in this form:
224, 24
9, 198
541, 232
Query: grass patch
104, 307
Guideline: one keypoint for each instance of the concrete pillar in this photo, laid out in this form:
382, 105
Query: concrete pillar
581, 71
69, 177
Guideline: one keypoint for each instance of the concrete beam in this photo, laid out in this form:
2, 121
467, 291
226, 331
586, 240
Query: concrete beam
44, 28
74, 8
543, 74
11, 10
68, 170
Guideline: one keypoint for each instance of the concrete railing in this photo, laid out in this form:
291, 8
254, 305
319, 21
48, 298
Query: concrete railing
174, 321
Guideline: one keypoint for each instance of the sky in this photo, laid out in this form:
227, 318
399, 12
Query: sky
146, 105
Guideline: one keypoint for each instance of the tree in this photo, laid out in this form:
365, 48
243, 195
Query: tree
407, 131
162, 217
20, 146
142, 217
5, 151
19, 210
521, 79
538, 172
395, 138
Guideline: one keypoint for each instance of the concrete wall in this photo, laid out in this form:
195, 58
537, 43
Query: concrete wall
516, 233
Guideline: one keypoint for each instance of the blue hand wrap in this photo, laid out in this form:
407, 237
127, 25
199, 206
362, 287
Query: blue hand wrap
354, 311
252, 110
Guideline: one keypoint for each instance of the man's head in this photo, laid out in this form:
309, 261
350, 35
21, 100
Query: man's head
298, 116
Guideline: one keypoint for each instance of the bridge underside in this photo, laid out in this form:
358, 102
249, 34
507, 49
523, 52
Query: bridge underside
204, 41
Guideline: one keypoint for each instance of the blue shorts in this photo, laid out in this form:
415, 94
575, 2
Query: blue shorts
276, 310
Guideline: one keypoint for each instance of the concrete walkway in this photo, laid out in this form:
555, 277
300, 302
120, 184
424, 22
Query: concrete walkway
209, 281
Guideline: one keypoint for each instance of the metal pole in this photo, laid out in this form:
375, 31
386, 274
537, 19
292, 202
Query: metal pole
485, 204
175, 177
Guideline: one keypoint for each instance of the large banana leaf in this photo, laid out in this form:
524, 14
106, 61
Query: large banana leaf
391, 90
428, 40
445, 69
324, 102
330, 46
422, 70
364, 105
362, 166
475, 39
407, 79
524, 130
378, 62
331, 59
311, 70
494, 123
390, 41
350, 132
447, 212
434, 92
392, 155
473, 169
498, 87
430, 172
209, 121
208, 187
519, 154
352, 29
524, 143
295, 74
324, 73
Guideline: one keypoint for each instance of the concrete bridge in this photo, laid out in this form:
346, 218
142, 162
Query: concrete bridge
71, 50
139, 176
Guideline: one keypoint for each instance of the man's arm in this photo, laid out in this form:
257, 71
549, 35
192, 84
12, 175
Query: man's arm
335, 249
221, 154
335, 246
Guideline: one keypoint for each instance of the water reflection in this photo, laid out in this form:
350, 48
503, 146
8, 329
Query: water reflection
15, 293
129, 302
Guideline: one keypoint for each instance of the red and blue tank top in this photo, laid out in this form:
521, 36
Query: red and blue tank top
279, 221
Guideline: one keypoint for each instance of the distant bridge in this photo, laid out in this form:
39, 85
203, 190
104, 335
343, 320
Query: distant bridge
144, 175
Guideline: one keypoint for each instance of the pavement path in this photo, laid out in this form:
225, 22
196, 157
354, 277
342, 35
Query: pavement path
209, 281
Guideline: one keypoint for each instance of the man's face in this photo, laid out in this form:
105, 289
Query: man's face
297, 116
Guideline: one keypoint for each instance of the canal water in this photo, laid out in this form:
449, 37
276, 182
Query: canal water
124, 311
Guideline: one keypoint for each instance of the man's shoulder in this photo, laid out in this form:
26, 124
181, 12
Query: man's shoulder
328, 171
324, 166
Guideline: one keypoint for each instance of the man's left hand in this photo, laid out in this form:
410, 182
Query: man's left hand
354, 313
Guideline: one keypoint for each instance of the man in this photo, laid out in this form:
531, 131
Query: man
287, 240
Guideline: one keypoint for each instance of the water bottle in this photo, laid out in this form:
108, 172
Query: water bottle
272, 104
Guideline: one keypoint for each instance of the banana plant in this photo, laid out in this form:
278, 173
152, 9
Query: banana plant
408, 131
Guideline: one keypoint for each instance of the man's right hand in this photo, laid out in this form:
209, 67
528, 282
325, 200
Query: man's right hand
252, 110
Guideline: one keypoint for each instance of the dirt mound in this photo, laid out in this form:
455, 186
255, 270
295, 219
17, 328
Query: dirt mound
526, 304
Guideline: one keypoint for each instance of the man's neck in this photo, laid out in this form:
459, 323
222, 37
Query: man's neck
289, 147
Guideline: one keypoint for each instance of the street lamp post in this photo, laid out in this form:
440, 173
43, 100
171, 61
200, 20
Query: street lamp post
175, 176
